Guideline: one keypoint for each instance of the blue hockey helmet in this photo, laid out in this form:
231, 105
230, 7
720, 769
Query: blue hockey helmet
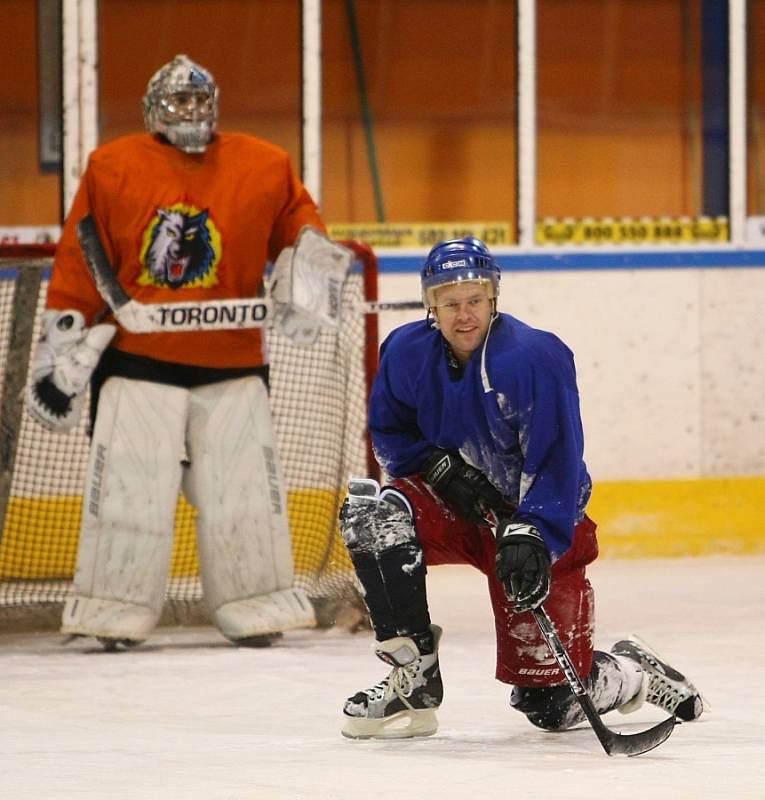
458, 260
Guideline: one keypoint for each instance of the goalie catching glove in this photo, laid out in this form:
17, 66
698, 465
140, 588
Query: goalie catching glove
63, 362
466, 488
307, 285
523, 564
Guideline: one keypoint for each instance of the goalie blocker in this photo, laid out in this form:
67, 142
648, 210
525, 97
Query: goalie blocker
146, 432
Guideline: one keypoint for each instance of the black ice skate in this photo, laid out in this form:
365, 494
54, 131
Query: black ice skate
112, 645
404, 704
258, 641
665, 687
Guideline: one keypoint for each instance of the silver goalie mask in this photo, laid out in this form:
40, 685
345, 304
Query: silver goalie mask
181, 104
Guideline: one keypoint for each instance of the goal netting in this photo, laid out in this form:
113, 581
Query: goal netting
319, 398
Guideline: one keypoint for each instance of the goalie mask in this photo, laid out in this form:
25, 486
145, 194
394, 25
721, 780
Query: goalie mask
181, 104
459, 260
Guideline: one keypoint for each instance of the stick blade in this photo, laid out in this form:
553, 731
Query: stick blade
633, 744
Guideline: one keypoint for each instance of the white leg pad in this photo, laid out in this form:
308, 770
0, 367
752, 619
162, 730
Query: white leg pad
130, 495
235, 482
89, 616
268, 613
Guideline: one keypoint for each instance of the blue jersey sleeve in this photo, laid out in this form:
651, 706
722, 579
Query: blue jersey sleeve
552, 444
398, 443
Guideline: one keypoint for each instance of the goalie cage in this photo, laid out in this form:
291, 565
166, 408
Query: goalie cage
319, 401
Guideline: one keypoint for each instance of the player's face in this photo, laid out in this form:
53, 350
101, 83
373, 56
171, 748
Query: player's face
463, 311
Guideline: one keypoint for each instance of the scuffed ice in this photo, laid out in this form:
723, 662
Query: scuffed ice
191, 712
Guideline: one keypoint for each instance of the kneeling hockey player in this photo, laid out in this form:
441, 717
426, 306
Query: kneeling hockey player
185, 215
475, 416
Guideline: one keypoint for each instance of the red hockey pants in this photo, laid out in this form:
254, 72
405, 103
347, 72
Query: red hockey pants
523, 657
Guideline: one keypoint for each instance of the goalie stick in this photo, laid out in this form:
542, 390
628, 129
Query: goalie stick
204, 315
392, 305
207, 315
630, 744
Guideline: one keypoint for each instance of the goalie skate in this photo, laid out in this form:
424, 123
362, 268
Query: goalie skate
113, 645
663, 686
403, 704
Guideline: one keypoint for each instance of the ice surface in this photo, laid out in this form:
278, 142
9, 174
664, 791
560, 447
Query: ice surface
189, 716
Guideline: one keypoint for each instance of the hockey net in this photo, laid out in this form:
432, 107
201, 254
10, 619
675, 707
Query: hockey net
319, 399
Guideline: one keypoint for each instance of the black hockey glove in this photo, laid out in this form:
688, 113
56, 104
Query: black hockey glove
523, 564
464, 487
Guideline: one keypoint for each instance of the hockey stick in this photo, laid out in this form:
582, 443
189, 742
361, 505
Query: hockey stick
372, 307
204, 315
207, 315
630, 744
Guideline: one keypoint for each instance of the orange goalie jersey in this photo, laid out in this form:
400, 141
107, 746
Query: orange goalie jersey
180, 227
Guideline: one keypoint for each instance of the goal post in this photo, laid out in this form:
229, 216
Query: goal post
319, 401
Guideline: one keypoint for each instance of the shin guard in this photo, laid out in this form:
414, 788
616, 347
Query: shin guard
378, 530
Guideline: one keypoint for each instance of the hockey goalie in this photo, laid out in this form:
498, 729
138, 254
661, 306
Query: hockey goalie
186, 215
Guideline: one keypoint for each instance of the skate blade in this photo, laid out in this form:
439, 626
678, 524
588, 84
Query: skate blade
404, 725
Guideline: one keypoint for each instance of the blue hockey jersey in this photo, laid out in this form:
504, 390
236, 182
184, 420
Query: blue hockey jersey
512, 412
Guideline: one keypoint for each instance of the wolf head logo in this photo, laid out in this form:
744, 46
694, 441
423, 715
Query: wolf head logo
179, 249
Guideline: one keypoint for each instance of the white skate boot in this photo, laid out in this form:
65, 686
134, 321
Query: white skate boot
663, 685
404, 704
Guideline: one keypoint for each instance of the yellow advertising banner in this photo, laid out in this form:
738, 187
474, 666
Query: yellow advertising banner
631, 230
421, 234
587, 231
